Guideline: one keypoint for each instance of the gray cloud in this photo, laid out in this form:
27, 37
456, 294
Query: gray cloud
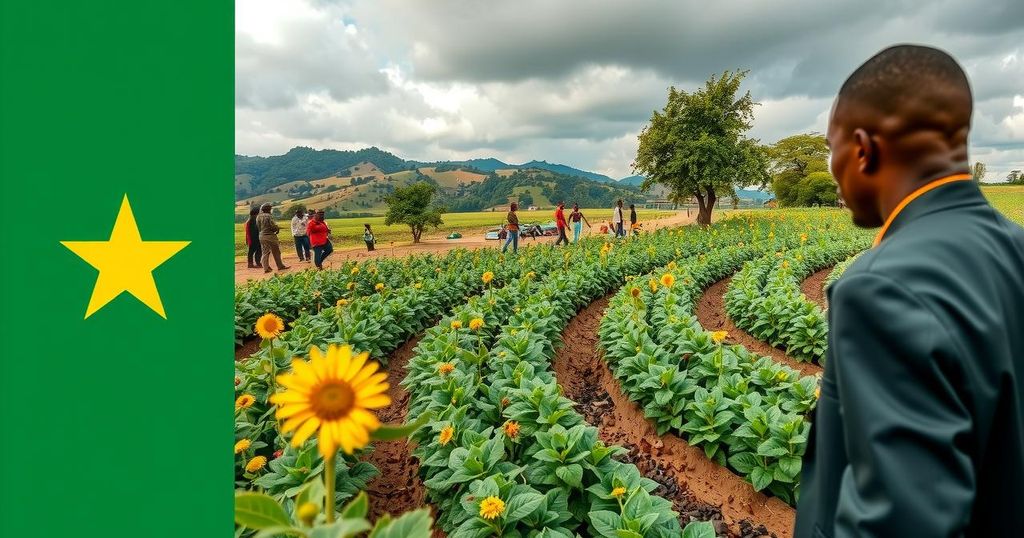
574, 81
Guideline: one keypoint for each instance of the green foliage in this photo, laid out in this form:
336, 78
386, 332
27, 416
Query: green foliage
696, 146
978, 171
260, 512
293, 209
307, 163
818, 188
799, 168
414, 206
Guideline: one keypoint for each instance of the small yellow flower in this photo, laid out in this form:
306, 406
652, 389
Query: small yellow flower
785, 264
379, 286
342, 302
530, 275
418, 285
782, 376
269, 326
245, 401
653, 284
511, 429
803, 238
475, 324
671, 266
355, 271
256, 464
634, 292
719, 336
817, 393
317, 294
307, 512
446, 435
618, 492
445, 368
350, 286
487, 277
456, 324
491, 507
668, 279
242, 445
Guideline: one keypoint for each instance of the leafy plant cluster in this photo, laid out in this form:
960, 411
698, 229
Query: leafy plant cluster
764, 297
502, 429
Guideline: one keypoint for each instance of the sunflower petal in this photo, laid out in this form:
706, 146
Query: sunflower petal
295, 421
376, 401
364, 373
288, 397
292, 409
305, 431
371, 381
371, 390
365, 418
318, 362
356, 367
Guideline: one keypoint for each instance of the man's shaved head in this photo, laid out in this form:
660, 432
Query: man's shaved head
900, 120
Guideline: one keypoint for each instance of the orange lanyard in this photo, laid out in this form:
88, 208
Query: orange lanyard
913, 196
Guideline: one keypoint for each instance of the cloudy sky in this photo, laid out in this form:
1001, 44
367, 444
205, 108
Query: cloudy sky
574, 81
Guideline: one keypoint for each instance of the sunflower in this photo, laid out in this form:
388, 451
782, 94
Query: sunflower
491, 507
245, 401
511, 429
342, 302
530, 275
256, 464
332, 393
487, 277
379, 286
618, 491
803, 238
317, 294
653, 284
269, 326
350, 286
785, 264
445, 368
475, 324
446, 435
355, 271
671, 266
634, 292
668, 279
719, 336
418, 285
456, 324
242, 445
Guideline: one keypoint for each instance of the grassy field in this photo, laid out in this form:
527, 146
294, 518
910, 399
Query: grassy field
1009, 199
348, 232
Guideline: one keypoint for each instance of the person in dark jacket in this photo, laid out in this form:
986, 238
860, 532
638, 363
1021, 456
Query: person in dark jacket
252, 239
919, 428
269, 244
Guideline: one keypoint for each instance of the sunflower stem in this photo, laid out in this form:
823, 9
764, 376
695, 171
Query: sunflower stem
329, 476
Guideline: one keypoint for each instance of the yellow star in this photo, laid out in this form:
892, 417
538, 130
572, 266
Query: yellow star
125, 262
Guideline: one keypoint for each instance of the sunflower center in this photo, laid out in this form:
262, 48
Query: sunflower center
333, 400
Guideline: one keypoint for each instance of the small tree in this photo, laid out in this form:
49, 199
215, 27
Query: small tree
295, 208
696, 146
818, 188
413, 206
978, 171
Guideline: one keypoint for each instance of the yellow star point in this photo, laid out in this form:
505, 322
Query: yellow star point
125, 262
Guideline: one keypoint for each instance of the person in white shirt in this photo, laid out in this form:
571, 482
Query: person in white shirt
301, 236
617, 220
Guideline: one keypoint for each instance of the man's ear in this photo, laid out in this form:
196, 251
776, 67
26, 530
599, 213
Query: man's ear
867, 151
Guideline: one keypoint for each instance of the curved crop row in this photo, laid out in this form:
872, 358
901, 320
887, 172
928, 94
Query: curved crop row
502, 429
764, 297
838, 271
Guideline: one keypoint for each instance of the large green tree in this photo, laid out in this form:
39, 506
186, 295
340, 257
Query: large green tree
793, 159
697, 145
414, 206
978, 171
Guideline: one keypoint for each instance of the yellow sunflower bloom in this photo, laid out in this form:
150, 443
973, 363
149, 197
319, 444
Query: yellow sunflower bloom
355, 271
668, 279
334, 394
379, 286
446, 435
245, 401
634, 292
445, 368
350, 286
256, 464
653, 284
456, 324
671, 266
511, 429
487, 277
269, 326
491, 507
342, 302
242, 445
618, 491
719, 336
530, 275
475, 324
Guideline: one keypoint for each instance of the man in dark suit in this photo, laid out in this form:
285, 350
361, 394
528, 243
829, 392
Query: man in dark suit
919, 430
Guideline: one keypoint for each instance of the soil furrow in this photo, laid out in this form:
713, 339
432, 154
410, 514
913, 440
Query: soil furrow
699, 488
711, 315
812, 287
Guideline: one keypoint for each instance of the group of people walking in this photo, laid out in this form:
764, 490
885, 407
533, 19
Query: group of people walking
310, 232
562, 224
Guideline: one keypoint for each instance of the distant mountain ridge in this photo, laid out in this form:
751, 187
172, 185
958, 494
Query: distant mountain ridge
303, 163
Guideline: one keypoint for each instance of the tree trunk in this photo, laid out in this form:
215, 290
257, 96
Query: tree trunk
416, 232
705, 204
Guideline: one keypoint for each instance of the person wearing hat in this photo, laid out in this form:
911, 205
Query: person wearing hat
269, 243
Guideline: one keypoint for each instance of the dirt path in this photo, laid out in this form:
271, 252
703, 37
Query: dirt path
699, 488
398, 488
711, 315
812, 287
428, 245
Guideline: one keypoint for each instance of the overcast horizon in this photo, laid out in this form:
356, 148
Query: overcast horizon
574, 82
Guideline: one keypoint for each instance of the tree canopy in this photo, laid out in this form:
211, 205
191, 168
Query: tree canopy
697, 145
414, 206
799, 171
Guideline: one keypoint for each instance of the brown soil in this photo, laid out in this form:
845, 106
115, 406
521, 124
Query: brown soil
249, 346
698, 487
711, 315
428, 245
398, 488
812, 287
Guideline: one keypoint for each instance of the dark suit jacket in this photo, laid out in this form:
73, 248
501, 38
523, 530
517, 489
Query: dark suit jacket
919, 431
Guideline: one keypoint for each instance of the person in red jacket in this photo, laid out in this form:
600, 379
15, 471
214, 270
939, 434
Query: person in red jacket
320, 239
561, 224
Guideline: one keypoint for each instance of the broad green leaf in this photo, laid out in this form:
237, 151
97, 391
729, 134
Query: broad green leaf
415, 524
699, 529
259, 511
522, 505
356, 508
